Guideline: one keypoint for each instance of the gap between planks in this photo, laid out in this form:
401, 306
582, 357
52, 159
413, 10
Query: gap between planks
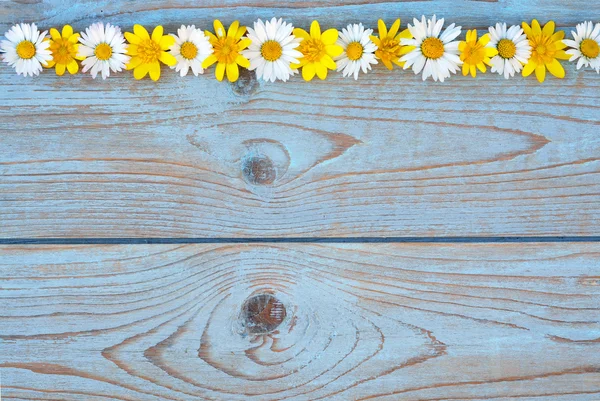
296, 240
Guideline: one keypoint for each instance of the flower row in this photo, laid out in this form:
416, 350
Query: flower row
276, 50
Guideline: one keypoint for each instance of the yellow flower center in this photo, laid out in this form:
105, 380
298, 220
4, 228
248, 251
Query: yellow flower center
544, 49
541, 49
589, 48
354, 51
103, 51
63, 51
389, 50
149, 51
26, 49
271, 50
473, 54
432, 48
507, 48
226, 49
312, 49
189, 50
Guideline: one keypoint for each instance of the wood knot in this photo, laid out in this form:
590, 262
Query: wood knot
246, 84
263, 313
259, 170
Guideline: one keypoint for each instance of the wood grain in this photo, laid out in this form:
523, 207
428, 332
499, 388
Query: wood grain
386, 155
363, 322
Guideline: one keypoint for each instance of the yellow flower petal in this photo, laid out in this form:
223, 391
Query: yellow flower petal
133, 62
168, 59
308, 71
315, 30
473, 71
74, 38
562, 55
132, 50
140, 32
210, 60
220, 71
301, 33
394, 29
334, 50
211, 36
321, 70
560, 35
166, 42
328, 62
233, 72
549, 28
132, 38
529, 68
556, 69
485, 39
465, 69
387, 63
376, 40
382, 29
405, 34
73, 67
60, 69
540, 72
233, 29
527, 29
244, 43
54, 34
157, 33
491, 51
330, 36
50, 64
154, 70
140, 71
481, 67
240, 32
219, 28
67, 31
242, 61
536, 29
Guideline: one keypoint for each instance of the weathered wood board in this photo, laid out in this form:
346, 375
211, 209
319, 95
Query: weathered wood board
377, 321
387, 155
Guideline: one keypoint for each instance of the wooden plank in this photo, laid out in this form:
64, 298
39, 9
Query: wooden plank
352, 322
387, 155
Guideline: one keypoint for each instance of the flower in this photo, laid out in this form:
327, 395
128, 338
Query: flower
389, 50
546, 48
25, 49
64, 48
273, 50
147, 52
191, 48
358, 50
475, 54
227, 50
586, 46
434, 54
317, 51
103, 49
513, 49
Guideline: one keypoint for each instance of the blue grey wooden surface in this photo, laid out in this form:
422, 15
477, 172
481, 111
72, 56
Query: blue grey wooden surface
387, 155
363, 322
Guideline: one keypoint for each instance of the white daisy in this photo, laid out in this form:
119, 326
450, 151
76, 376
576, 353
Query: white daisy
272, 50
586, 46
434, 54
104, 49
358, 50
25, 49
513, 48
191, 48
